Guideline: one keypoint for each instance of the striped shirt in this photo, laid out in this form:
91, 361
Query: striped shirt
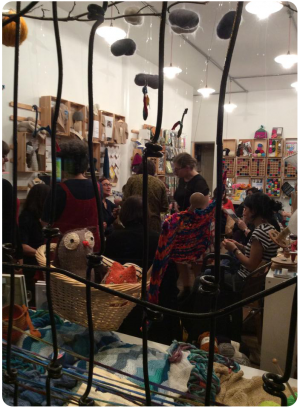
261, 233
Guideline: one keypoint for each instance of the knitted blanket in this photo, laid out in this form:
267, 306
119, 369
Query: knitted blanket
184, 238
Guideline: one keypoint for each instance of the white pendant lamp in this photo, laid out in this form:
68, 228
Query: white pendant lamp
295, 85
263, 9
111, 33
171, 71
229, 107
287, 60
206, 92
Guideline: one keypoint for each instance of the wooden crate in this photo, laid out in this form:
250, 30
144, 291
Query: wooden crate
258, 167
290, 146
46, 103
275, 148
102, 127
23, 138
80, 127
273, 187
274, 166
231, 145
229, 166
289, 171
243, 167
249, 144
260, 145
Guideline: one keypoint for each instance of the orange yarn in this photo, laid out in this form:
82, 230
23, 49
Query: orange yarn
9, 31
203, 341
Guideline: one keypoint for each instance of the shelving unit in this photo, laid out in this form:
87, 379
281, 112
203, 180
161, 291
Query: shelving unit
79, 126
102, 135
259, 183
243, 167
274, 167
23, 139
261, 145
275, 148
46, 105
231, 145
273, 187
258, 167
229, 166
249, 143
289, 171
290, 146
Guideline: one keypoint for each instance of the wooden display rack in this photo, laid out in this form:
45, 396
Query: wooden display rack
230, 144
251, 147
101, 127
289, 171
243, 167
23, 138
75, 107
258, 167
264, 147
273, 167
273, 187
46, 113
290, 146
278, 142
229, 166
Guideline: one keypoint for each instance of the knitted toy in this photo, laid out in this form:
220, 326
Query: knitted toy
9, 31
184, 21
184, 238
123, 47
259, 153
225, 25
72, 250
261, 133
146, 102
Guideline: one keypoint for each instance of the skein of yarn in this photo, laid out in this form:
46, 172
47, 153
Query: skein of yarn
9, 31
226, 349
203, 341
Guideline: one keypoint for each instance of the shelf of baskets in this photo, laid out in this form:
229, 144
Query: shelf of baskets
274, 166
258, 167
228, 166
243, 167
273, 187
275, 148
289, 171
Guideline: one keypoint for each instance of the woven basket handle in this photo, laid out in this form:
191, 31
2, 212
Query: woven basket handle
33, 331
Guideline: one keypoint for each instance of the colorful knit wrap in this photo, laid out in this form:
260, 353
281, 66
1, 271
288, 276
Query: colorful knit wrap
184, 238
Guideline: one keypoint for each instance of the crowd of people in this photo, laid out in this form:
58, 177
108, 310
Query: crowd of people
248, 242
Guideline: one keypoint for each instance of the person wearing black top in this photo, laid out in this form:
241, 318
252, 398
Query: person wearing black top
189, 180
109, 209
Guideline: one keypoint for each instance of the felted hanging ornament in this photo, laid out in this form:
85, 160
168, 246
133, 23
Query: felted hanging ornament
9, 31
146, 102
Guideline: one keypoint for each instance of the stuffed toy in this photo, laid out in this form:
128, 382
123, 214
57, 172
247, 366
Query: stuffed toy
123, 47
133, 20
184, 21
9, 31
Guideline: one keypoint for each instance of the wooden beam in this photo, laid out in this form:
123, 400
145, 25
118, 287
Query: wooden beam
24, 106
22, 118
22, 188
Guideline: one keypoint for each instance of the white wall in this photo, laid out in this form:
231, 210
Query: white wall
267, 108
114, 88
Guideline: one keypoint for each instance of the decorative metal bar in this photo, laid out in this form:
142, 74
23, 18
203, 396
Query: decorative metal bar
19, 13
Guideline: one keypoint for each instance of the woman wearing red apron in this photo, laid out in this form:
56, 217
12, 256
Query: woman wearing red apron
75, 198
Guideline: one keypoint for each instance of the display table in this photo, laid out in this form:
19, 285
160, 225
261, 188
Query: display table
276, 323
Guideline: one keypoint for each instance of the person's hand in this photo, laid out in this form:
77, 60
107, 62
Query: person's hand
115, 212
241, 225
229, 245
104, 225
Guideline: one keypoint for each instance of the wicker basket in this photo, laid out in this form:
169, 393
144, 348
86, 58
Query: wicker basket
69, 298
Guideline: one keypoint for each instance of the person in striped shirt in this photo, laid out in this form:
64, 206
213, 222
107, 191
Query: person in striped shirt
259, 210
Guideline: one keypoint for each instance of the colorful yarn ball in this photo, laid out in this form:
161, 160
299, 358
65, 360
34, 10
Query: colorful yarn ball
9, 31
291, 400
204, 342
268, 403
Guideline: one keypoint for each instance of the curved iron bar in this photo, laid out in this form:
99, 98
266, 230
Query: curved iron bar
185, 2
18, 14
219, 143
10, 377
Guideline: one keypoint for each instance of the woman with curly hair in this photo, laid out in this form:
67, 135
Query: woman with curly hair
75, 198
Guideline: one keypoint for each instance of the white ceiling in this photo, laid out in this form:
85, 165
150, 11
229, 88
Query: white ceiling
258, 43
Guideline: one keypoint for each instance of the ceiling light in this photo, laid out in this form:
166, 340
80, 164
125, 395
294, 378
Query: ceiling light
171, 71
229, 107
287, 60
111, 33
263, 8
205, 92
295, 85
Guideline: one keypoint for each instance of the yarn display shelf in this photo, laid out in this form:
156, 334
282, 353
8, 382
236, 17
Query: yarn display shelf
243, 167
275, 148
273, 187
228, 165
258, 167
290, 172
274, 166
231, 145
249, 151
261, 146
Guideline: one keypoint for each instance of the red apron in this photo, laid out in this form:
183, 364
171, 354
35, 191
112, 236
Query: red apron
79, 214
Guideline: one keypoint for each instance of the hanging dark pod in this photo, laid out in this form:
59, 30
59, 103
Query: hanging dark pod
146, 79
123, 47
184, 21
95, 12
225, 25
133, 20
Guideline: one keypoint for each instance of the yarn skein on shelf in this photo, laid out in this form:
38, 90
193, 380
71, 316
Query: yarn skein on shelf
204, 342
9, 31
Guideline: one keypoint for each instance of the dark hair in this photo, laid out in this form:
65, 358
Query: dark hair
150, 167
5, 149
185, 159
262, 205
224, 200
252, 189
132, 211
36, 198
74, 156
103, 178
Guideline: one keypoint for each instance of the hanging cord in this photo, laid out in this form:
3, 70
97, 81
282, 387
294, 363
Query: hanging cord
16, 17
10, 377
36, 119
212, 284
290, 22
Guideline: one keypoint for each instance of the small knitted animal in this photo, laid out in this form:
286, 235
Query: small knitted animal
72, 250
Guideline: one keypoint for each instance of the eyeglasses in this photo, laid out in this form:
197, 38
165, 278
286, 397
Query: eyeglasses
106, 184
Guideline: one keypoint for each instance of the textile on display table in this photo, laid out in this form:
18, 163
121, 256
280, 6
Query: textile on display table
184, 238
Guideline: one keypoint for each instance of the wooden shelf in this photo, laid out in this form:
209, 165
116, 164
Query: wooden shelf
23, 139
258, 167
229, 166
274, 167
248, 142
46, 113
275, 148
243, 167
